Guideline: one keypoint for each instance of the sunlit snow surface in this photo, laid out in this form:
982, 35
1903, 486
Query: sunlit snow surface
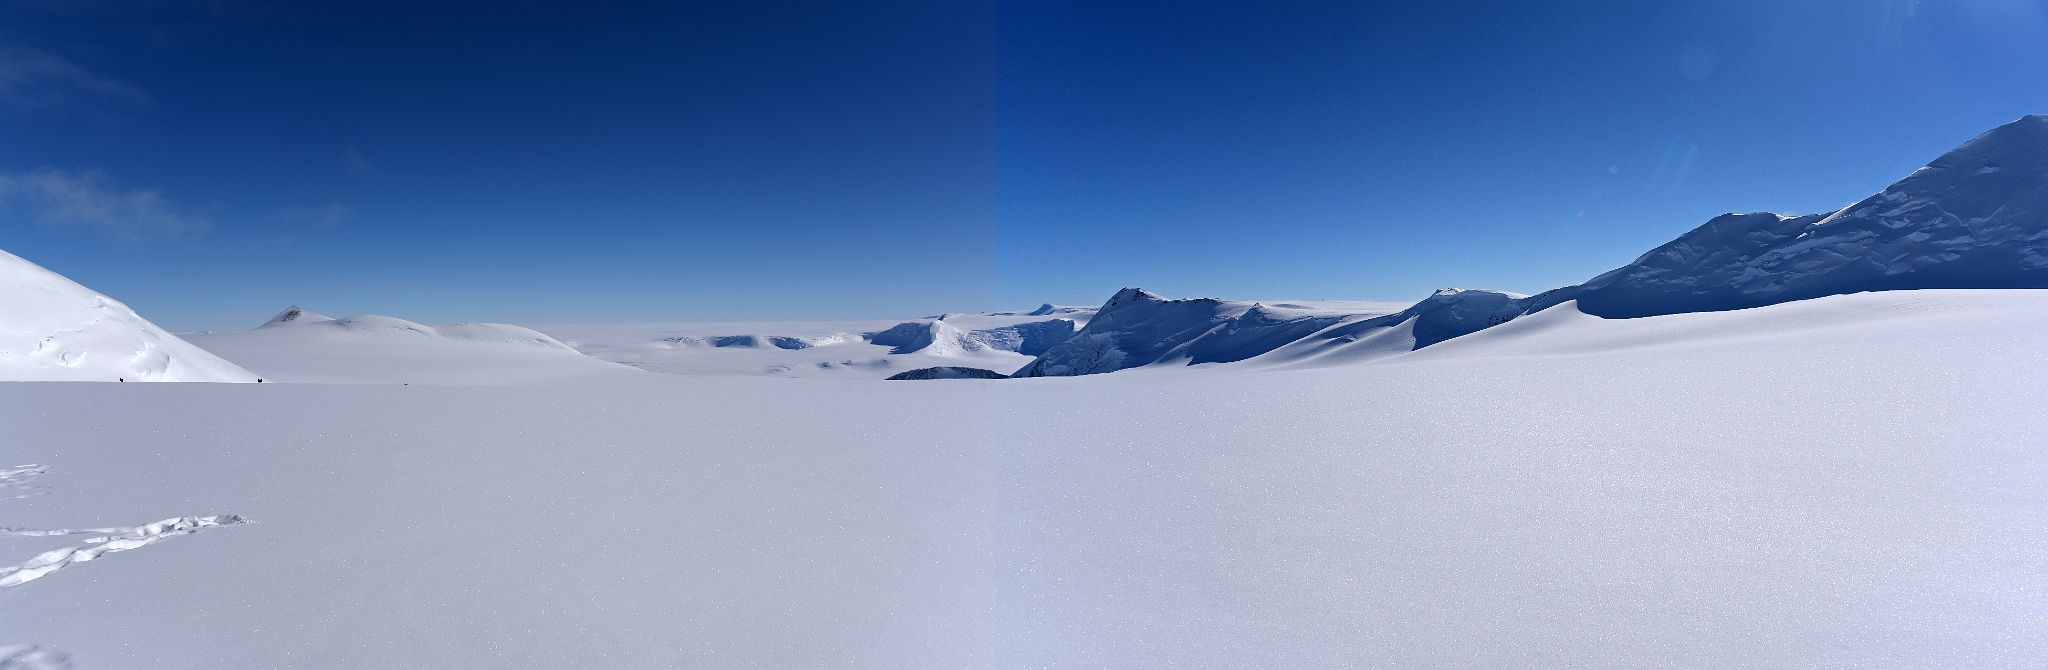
1851, 481
1001, 342
54, 329
298, 346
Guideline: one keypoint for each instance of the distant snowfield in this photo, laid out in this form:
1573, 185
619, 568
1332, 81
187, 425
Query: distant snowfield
776, 348
372, 349
839, 348
1849, 481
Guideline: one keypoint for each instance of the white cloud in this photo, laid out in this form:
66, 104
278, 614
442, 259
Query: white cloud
41, 80
83, 198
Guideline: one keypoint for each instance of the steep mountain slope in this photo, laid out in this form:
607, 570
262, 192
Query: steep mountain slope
934, 337
53, 329
1977, 217
1030, 339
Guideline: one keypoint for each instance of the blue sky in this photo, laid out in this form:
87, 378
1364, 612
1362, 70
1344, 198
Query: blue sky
210, 163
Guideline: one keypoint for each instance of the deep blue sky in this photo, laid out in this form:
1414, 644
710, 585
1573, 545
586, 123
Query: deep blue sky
210, 163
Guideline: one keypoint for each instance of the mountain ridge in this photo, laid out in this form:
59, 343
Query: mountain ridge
1974, 217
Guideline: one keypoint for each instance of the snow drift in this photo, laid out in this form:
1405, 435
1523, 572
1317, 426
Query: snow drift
53, 329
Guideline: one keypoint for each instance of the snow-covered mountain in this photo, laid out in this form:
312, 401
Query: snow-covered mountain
294, 314
53, 329
1139, 328
941, 337
1977, 217
1446, 314
935, 337
1838, 481
301, 346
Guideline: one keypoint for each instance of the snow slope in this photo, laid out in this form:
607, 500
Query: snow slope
1927, 318
1447, 314
300, 346
1977, 217
1138, 328
53, 329
1853, 481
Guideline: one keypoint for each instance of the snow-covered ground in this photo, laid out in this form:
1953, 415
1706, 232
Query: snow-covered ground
1815, 476
1853, 481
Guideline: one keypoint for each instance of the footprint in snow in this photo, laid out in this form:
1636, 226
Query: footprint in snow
16, 483
32, 657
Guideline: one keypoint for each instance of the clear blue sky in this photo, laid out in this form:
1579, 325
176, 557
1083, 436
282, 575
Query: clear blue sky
210, 163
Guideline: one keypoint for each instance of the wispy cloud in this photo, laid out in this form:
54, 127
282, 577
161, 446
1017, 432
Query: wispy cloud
40, 80
85, 199
353, 159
